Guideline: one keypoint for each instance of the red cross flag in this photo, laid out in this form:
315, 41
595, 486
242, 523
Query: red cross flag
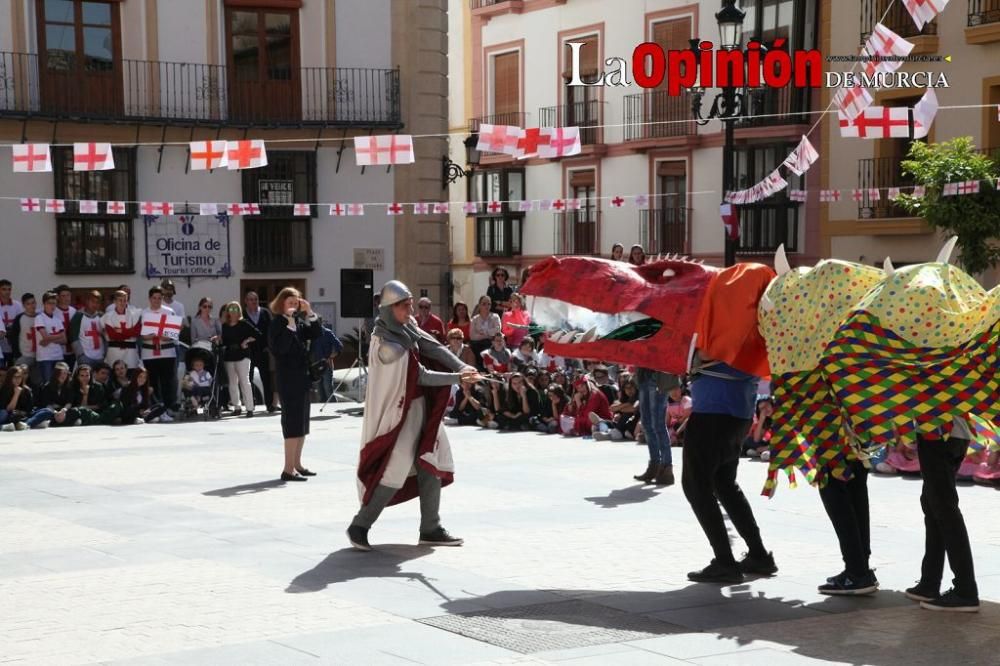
968, 187
884, 42
441, 208
562, 142
802, 157
208, 209
797, 195
207, 155
924, 11
950, 190
384, 149
874, 194
857, 195
421, 208
250, 209
852, 101
494, 207
574, 204
893, 193
528, 142
355, 209
470, 207
923, 114
394, 209
919, 191
93, 157
558, 205
29, 157
527, 205
88, 207
248, 154
877, 122
829, 196
29, 205
115, 208
730, 220
617, 202
161, 325
641, 201
545, 204
156, 208
234, 209
55, 206
498, 138
301, 210
337, 210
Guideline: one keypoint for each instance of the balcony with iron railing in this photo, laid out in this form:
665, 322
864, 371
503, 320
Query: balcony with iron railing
577, 232
983, 12
586, 115
897, 19
768, 224
658, 115
769, 107
172, 92
881, 173
664, 230
513, 118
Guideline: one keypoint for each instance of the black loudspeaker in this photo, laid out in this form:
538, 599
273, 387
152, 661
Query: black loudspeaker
357, 293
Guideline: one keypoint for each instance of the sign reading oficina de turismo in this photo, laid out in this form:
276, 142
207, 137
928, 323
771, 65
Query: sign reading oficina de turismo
187, 246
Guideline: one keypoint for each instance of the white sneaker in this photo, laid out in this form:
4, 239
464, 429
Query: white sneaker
753, 453
44, 424
7, 427
616, 435
140, 421
166, 418
765, 456
601, 436
450, 421
77, 422
20, 425
492, 425
885, 468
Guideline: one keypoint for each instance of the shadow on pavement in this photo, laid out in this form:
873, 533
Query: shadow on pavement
245, 489
350, 564
636, 494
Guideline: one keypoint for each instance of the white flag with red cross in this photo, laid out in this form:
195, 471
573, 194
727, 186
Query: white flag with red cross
949, 190
207, 155
852, 101
441, 208
55, 205
858, 195
87, 207
31, 205
924, 11
394, 209
161, 325
574, 204
558, 205
338, 210
355, 209
528, 142
874, 194
730, 220
919, 191
31, 157
884, 42
967, 187
115, 208
384, 149
527, 206
893, 193
924, 113
797, 195
498, 138
470, 207
246, 154
156, 208
93, 157
617, 201
208, 209
877, 122
829, 196
494, 207
301, 210
249, 209
802, 157
641, 201
562, 142
421, 208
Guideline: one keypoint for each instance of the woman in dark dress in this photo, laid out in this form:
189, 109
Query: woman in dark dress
499, 291
293, 326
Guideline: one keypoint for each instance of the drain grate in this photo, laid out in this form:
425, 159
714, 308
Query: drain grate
552, 626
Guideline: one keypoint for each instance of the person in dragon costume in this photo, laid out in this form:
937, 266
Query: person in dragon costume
889, 354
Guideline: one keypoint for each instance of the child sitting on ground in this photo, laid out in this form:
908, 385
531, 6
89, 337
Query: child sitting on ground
758, 442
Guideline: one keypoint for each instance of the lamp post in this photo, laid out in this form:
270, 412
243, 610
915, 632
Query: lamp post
451, 171
727, 105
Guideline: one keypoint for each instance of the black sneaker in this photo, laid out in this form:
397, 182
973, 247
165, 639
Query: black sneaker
952, 602
439, 537
717, 572
849, 585
923, 592
758, 565
358, 536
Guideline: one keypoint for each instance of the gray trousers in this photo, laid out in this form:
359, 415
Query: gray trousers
430, 503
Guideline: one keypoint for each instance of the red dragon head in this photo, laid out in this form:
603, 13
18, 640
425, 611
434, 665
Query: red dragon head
649, 315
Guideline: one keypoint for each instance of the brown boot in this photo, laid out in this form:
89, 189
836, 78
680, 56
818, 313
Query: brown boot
665, 476
652, 469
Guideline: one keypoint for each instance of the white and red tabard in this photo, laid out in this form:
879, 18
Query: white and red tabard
90, 336
27, 339
8, 313
49, 325
165, 327
122, 330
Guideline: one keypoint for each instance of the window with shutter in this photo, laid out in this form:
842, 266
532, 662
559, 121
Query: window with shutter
673, 34
507, 86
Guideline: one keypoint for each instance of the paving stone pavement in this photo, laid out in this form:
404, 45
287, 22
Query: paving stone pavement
173, 544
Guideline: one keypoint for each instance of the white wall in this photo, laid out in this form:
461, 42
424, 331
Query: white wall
363, 32
176, 41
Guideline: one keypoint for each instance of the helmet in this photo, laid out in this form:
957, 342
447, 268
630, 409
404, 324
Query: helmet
394, 292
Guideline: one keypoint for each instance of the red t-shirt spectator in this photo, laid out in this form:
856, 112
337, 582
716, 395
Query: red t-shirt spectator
596, 403
433, 325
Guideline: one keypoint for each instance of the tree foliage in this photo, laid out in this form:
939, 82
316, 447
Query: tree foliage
975, 218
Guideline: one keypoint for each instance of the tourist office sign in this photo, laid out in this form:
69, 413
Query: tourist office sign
187, 246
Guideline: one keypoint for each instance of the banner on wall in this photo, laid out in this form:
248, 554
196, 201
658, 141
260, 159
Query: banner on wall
187, 246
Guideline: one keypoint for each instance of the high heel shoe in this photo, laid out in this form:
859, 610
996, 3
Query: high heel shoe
304, 472
285, 476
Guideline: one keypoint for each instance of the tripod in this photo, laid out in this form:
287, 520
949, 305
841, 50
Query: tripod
359, 363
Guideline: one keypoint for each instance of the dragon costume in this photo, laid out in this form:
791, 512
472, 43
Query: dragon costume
859, 357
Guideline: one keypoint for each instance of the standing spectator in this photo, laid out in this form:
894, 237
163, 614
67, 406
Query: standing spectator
54, 395
484, 326
499, 291
64, 305
261, 358
86, 333
514, 324
636, 255
293, 325
122, 325
587, 400
159, 356
653, 389
50, 334
205, 328
24, 339
617, 252
3, 339
139, 404
326, 348
128, 297
460, 319
457, 346
9, 310
237, 336
428, 321
169, 290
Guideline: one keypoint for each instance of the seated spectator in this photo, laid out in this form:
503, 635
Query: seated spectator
89, 399
524, 355
624, 414
17, 406
758, 441
457, 346
559, 379
519, 404
539, 379
515, 323
552, 410
469, 408
119, 379
602, 379
678, 412
989, 472
138, 401
551, 364
617, 252
497, 359
55, 395
587, 400
460, 319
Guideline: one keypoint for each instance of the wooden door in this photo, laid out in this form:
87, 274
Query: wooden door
80, 63
262, 52
268, 288
670, 227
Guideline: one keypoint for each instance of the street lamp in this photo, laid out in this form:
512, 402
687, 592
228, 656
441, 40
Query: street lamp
452, 171
727, 105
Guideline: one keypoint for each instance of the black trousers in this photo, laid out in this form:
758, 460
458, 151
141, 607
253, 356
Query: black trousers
263, 364
163, 379
846, 504
943, 522
519, 422
711, 457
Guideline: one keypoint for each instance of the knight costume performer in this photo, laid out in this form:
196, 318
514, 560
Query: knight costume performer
405, 451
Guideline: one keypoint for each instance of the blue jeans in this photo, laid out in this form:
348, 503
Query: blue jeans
41, 415
653, 414
46, 369
326, 384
